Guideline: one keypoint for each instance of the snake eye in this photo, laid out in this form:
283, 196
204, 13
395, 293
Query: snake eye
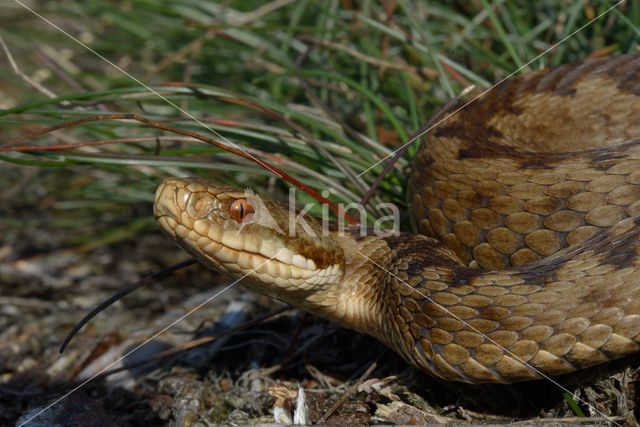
239, 209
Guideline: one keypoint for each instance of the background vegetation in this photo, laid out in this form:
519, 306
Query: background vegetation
321, 89
369, 74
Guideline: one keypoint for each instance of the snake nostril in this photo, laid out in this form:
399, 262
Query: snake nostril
200, 204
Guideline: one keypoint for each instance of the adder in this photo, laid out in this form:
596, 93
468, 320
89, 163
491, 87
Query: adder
527, 264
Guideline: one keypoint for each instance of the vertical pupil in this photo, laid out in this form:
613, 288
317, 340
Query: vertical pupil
241, 210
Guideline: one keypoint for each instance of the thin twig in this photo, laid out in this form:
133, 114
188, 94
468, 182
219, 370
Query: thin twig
28, 80
234, 149
276, 158
347, 393
121, 294
51, 63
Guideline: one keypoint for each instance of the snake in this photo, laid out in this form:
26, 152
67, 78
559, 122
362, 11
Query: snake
524, 262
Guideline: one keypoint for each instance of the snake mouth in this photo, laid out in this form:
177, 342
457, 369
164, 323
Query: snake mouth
231, 258
194, 215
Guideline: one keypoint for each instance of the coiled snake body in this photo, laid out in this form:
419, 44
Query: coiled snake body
537, 183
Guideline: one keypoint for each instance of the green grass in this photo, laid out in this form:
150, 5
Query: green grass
372, 76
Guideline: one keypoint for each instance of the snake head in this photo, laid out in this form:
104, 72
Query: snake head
242, 234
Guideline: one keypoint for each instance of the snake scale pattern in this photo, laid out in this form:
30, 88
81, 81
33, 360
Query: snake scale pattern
528, 261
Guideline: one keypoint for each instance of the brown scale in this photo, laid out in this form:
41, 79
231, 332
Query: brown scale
479, 326
543, 163
535, 165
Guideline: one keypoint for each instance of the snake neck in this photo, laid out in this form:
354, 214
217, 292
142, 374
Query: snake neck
368, 297
352, 300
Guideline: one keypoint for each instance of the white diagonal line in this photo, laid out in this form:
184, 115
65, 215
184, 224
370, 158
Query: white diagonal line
140, 345
153, 91
419, 135
543, 375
